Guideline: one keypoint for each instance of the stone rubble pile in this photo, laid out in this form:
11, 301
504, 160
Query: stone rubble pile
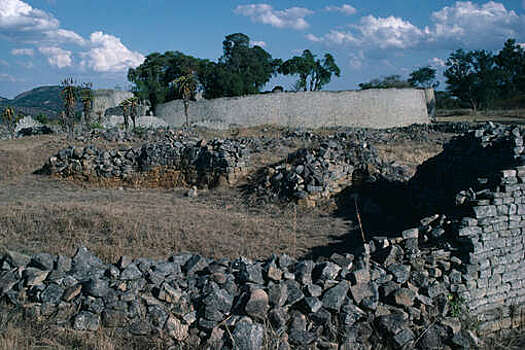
310, 174
221, 161
396, 294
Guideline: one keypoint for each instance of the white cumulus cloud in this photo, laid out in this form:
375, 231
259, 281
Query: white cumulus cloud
22, 52
56, 56
293, 17
345, 9
465, 24
108, 54
472, 25
388, 32
20, 22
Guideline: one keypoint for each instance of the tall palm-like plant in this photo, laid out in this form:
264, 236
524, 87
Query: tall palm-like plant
125, 112
69, 95
186, 85
10, 119
87, 98
130, 109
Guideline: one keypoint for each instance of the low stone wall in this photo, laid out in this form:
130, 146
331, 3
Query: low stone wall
183, 162
374, 108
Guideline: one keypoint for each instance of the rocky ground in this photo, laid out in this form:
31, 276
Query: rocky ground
145, 220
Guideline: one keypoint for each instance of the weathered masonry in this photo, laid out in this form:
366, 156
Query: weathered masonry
374, 108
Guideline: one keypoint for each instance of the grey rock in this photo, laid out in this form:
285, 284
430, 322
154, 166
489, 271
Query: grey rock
16, 259
97, 287
400, 272
248, 335
218, 299
131, 272
252, 273
402, 338
334, 297
257, 304
195, 265
140, 327
52, 294
63, 263
7, 281
43, 261
278, 318
34, 276
303, 271
313, 304
326, 271
85, 265
278, 294
294, 292
313, 290
157, 316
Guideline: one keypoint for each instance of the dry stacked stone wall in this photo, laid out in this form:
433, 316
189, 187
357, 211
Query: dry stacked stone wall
197, 162
479, 181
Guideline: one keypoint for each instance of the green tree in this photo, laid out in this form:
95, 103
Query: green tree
390, 82
424, 77
149, 79
187, 86
42, 118
242, 70
313, 74
510, 62
472, 77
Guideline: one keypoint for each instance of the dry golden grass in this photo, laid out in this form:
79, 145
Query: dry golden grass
407, 153
22, 332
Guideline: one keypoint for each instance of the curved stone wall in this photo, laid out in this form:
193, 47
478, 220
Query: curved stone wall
374, 108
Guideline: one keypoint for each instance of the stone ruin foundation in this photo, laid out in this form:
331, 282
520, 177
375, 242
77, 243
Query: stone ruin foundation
453, 276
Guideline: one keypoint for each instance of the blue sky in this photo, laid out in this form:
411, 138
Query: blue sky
43, 41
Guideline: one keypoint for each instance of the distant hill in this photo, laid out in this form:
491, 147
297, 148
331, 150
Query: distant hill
43, 99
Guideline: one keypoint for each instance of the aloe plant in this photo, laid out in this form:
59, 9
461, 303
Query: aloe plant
9, 118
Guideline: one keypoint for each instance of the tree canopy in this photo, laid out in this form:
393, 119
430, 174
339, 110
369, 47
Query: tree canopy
424, 77
482, 78
313, 74
152, 79
389, 82
241, 70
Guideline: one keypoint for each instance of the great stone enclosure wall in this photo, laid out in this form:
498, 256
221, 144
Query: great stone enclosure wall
368, 109
455, 274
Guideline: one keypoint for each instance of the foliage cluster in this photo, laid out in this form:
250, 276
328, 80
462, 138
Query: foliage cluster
242, 69
424, 77
482, 78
